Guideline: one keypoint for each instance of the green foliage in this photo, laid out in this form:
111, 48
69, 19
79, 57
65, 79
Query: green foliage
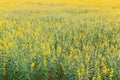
60, 44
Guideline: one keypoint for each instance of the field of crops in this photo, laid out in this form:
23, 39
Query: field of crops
58, 40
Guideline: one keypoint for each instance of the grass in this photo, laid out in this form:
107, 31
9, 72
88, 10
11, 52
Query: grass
57, 42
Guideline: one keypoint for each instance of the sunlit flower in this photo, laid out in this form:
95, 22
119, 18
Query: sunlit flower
105, 69
32, 65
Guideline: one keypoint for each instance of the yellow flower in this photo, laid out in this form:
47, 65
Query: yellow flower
32, 65
85, 47
93, 78
103, 59
113, 49
0, 24
119, 53
81, 36
111, 73
38, 29
96, 63
104, 44
59, 49
70, 56
10, 35
110, 28
0, 47
118, 36
72, 50
99, 77
46, 49
87, 57
10, 45
78, 74
28, 25
44, 61
105, 69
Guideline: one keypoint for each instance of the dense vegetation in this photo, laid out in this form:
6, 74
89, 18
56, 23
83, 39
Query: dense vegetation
54, 42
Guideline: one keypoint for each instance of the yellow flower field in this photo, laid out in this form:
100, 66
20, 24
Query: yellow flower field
59, 39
